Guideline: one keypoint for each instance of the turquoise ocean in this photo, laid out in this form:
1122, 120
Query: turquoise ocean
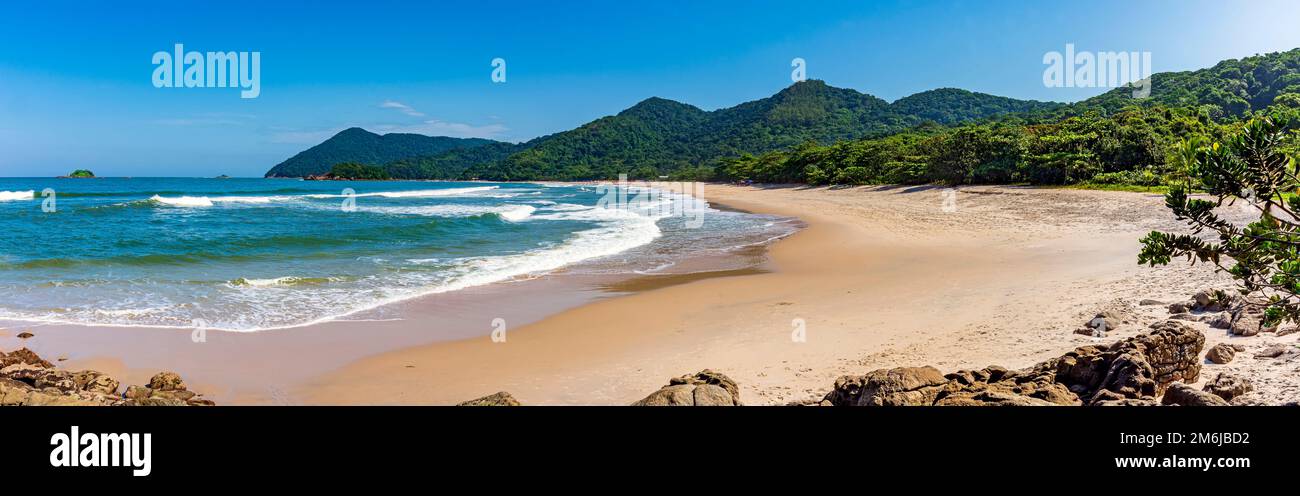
260, 254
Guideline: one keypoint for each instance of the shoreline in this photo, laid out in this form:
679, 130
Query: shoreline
879, 277
263, 367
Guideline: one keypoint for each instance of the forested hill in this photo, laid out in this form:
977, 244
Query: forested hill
1229, 89
659, 136
356, 145
1112, 141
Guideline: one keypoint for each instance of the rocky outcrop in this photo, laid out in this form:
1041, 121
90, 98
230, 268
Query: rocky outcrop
164, 389
501, 398
1131, 371
704, 388
1184, 395
888, 387
28, 380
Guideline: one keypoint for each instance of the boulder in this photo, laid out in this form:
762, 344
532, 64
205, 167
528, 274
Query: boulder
1221, 320
166, 381
137, 392
707, 376
903, 386
1185, 395
95, 382
1275, 351
1221, 353
24, 356
704, 388
25, 335
1248, 318
1228, 386
501, 398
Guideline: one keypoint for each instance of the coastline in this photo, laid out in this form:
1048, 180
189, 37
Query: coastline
265, 366
879, 277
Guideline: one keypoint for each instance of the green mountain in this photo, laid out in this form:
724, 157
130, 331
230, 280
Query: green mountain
659, 136
356, 145
1229, 89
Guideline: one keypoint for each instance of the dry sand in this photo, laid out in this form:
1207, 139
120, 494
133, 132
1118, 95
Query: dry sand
881, 277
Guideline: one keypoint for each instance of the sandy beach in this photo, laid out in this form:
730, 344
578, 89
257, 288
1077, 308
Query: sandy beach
880, 277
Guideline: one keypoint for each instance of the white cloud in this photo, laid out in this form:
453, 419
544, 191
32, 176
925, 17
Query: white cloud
401, 107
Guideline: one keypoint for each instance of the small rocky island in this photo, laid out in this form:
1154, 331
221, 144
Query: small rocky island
79, 174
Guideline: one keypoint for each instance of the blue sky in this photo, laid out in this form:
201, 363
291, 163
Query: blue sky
76, 91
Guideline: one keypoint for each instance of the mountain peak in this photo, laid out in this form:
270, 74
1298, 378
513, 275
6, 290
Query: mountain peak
656, 104
355, 131
358, 145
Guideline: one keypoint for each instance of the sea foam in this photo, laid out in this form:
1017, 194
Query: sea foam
17, 195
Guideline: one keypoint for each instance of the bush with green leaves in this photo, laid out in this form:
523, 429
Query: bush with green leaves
1263, 256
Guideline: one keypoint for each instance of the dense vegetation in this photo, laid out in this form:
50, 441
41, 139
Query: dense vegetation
1255, 166
1229, 89
358, 171
1131, 146
364, 147
814, 133
81, 173
1110, 140
452, 163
